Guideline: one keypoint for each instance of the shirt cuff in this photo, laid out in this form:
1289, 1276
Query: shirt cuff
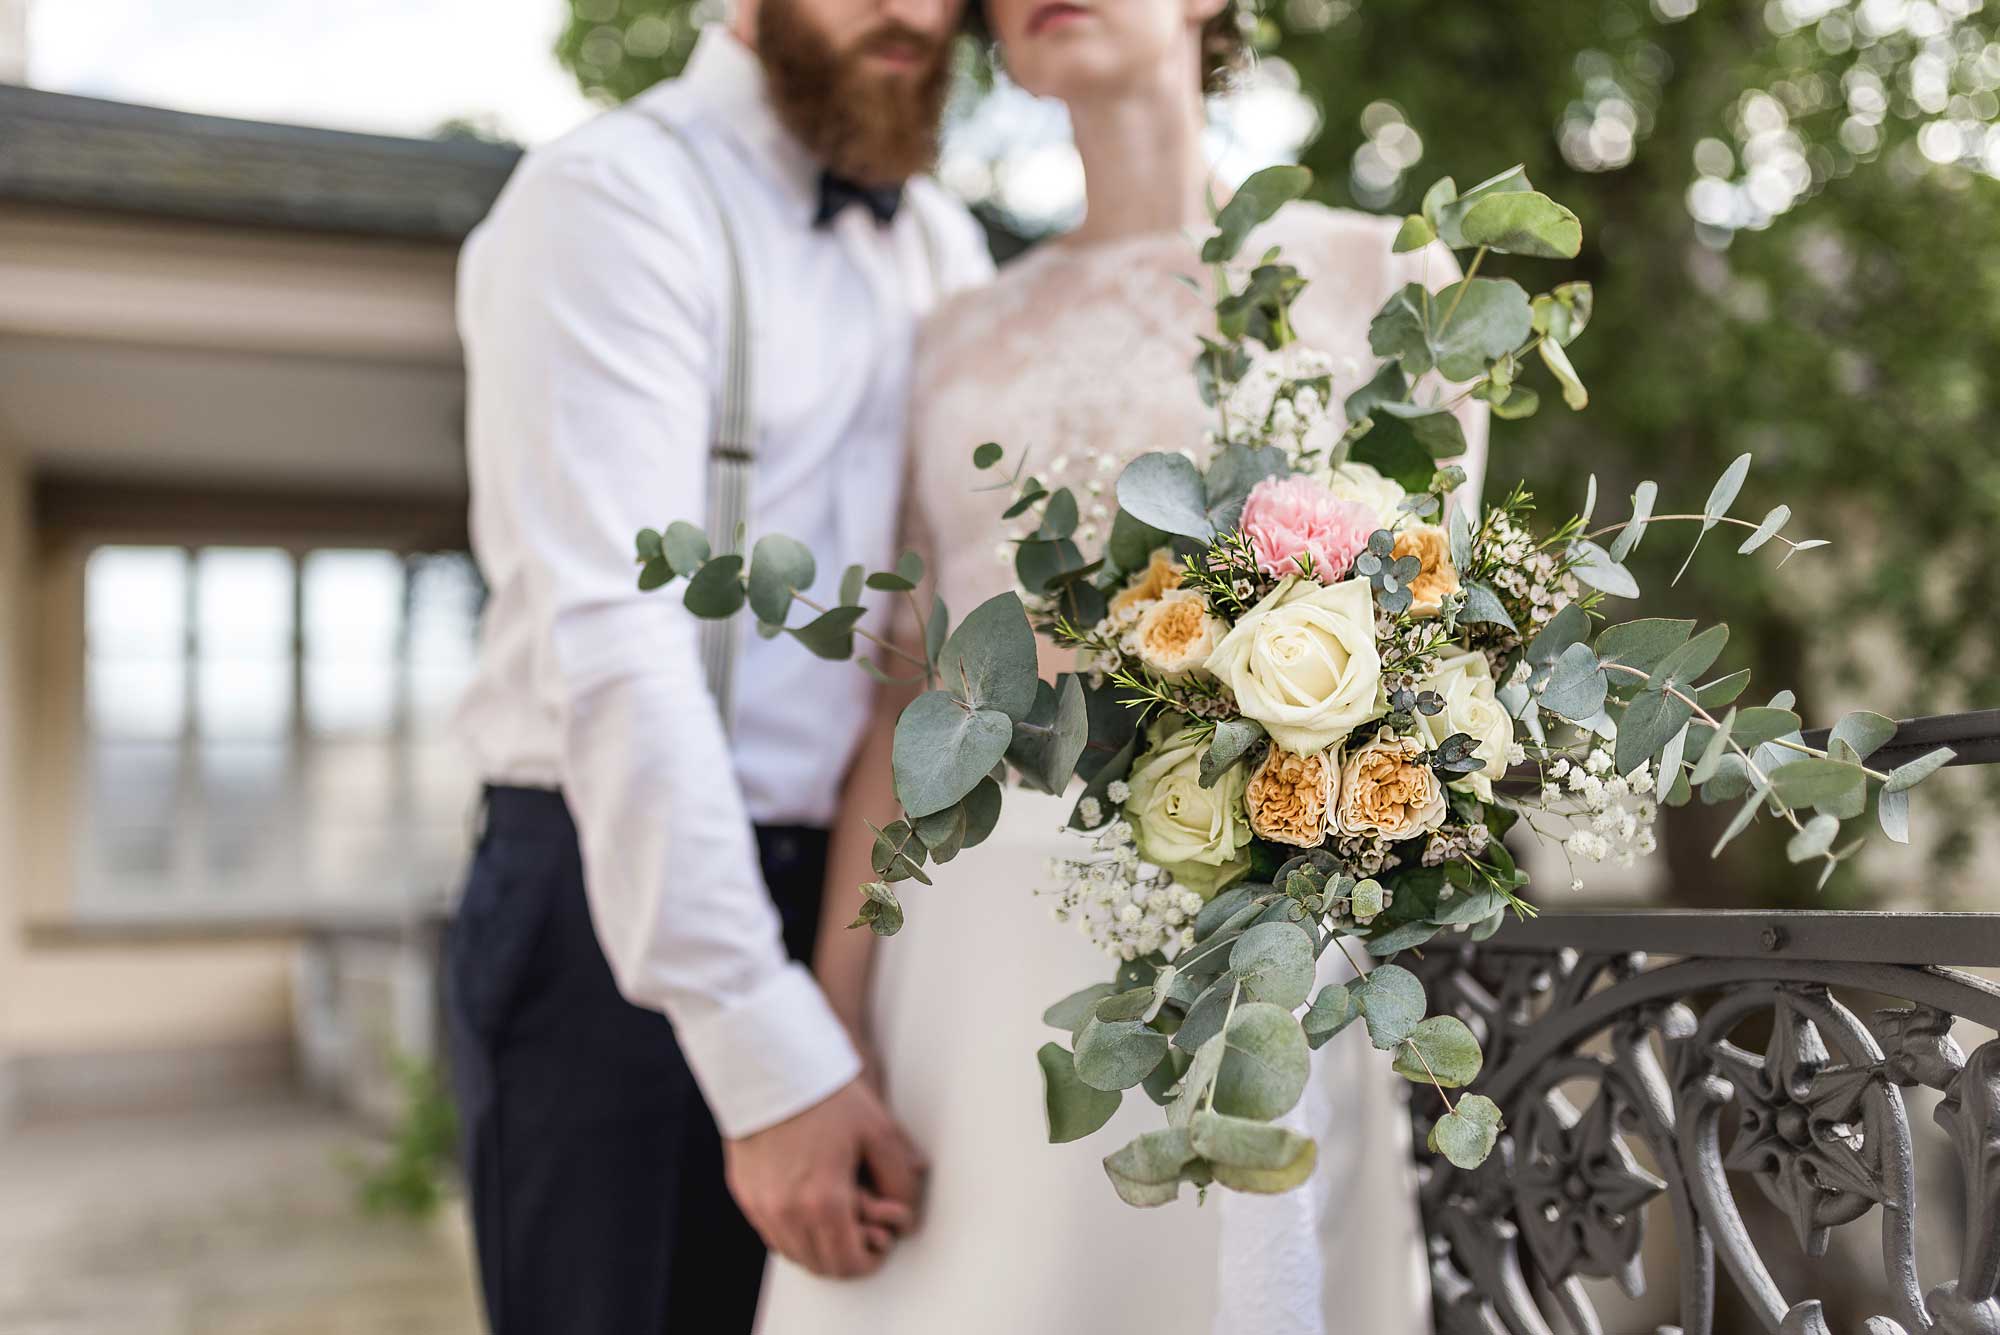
770, 1055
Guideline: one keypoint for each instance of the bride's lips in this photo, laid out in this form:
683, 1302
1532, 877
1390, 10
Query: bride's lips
1055, 14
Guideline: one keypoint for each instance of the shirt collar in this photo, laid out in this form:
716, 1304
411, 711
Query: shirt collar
725, 77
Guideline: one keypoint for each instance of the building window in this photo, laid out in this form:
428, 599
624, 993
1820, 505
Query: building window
266, 728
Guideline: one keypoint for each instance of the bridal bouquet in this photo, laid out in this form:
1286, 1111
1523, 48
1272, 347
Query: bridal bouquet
1317, 686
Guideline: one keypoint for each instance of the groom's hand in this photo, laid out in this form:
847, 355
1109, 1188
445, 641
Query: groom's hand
799, 1182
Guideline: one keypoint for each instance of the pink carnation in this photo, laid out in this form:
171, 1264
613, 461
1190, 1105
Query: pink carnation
1289, 517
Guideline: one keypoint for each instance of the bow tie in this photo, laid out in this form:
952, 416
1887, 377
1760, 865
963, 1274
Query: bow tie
837, 192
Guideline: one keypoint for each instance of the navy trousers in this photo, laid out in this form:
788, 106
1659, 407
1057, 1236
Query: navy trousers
595, 1170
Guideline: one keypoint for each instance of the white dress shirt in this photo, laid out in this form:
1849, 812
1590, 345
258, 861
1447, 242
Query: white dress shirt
593, 304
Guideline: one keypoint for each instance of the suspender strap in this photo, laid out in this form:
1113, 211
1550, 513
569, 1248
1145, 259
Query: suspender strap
732, 448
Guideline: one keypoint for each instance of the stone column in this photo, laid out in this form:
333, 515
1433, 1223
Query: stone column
15, 520
13, 41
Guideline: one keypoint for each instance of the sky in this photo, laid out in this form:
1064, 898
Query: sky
388, 66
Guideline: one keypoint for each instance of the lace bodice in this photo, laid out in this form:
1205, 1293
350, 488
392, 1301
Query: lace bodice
1080, 355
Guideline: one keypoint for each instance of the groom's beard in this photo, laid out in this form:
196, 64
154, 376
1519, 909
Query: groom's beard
871, 126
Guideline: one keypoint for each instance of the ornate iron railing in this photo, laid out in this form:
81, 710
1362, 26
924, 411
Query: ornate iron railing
1686, 1056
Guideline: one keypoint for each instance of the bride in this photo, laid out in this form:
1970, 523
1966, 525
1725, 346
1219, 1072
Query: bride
1080, 353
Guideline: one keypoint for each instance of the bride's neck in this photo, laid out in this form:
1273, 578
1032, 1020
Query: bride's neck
1143, 166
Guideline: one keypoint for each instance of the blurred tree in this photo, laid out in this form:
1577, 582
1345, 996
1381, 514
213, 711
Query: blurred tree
1787, 210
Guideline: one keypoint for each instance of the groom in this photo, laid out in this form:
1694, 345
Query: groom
631, 1023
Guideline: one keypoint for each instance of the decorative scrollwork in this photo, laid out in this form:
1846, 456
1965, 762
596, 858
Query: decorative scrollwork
1717, 1073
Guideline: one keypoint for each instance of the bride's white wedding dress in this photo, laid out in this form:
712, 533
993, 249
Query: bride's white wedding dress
1080, 354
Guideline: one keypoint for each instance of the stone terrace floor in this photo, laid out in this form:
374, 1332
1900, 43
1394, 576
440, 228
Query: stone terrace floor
237, 1221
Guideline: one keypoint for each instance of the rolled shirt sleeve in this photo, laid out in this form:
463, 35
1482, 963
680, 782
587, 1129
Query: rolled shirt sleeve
591, 335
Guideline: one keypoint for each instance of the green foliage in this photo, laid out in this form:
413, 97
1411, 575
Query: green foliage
411, 1180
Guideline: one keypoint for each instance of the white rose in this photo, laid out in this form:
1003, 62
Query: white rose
1386, 789
1304, 664
1362, 484
1466, 683
1175, 634
1198, 834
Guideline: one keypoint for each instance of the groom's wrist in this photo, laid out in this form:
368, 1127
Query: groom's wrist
769, 1056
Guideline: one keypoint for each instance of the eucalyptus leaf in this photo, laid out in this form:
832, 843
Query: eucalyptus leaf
1634, 532
1450, 214
988, 662
1150, 1169
1724, 493
1577, 685
1408, 936
1916, 771
1232, 741
943, 748
1714, 750
1391, 1001
1074, 1109
685, 546
1264, 1064
1478, 320
1651, 721
1401, 330
1332, 1011
1048, 741
830, 634
881, 912
1813, 840
1466, 1135
1482, 604
1070, 1013
1721, 692
1247, 1155
1570, 625
1553, 357
1117, 1054
1274, 962
1690, 660
1166, 492
654, 574
1865, 731
1563, 313
716, 590
1892, 809
1765, 531
1441, 1050
779, 567
1523, 223
1415, 233
1644, 643
1594, 567
1204, 1018
1255, 201
1810, 780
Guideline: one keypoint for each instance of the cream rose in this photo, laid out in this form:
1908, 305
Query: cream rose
1289, 797
1466, 683
1386, 789
1198, 834
1176, 633
1361, 483
1304, 664
1432, 548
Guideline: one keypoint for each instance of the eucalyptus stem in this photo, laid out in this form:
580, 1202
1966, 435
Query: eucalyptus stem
1464, 286
1657, 519
1424, 1061
867, 635
1235, 991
